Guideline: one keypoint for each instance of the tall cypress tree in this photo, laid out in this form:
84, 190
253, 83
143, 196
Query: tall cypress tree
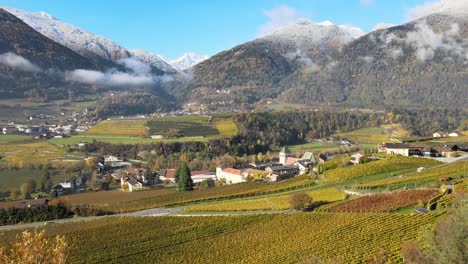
185, 182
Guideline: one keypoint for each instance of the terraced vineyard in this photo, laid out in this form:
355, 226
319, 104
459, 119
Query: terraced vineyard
277, 202
418, 178
352, 238
376, 167
384, 202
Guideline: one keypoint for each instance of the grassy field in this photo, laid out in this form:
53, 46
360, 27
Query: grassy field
21, 150
314, 146
132, 131
120, 140
301, 237
226, 127
189, 126
273, 202
375, 135
119, 127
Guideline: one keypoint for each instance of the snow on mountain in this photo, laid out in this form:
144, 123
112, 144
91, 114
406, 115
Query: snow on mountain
82, 41
188, 60
305, 33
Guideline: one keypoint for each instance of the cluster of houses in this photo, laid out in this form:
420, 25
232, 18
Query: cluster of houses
133, 179
44, 131
287, 167
75, 122
404, 149
445, 134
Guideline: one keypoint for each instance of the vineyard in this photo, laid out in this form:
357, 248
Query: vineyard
418, 178
241, 190
29, 152
190, 126
351, 238
376, 167
277, 202
385, 202
119, 127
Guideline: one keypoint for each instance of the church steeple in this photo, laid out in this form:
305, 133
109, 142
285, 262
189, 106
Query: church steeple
284, 154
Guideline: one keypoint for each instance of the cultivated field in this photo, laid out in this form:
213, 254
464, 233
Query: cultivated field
119, 127
189, 126
241, 190
376, 167
301, 237
273, 202
132, 131
226, 127
120, 140
428, 176
21, 150
385, 202
376, 135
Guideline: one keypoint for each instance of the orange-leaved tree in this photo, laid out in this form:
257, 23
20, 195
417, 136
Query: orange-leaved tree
35, 248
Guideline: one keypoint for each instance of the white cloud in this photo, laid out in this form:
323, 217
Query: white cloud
12, 60
426, 41
382, 26
353, 31
439, 6
279, 17
140, 75
136, 65
366, 2
112, 77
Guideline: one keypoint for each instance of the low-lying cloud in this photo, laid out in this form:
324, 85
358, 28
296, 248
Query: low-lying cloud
140, 74
440, 6
279, 17
426, 41
12, 60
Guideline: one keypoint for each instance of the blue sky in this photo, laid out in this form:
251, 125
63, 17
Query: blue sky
172, 27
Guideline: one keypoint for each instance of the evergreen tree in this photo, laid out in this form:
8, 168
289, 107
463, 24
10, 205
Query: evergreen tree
185, 182
177, 175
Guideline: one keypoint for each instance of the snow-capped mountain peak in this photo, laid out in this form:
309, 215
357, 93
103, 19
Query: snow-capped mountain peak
306, 33
326, 23
81, 41
188, 60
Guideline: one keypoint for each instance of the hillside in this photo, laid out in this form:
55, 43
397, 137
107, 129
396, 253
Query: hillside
253, 71
31, 63
84, 42
417, 64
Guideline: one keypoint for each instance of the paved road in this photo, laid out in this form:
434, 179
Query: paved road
149, 212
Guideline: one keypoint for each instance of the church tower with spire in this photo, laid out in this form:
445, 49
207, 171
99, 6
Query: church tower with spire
284, 154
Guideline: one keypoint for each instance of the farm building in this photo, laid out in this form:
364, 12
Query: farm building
231, 175
395, 149
281, 172
199, 176
130, 184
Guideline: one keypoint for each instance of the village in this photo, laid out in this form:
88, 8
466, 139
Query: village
130, 178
